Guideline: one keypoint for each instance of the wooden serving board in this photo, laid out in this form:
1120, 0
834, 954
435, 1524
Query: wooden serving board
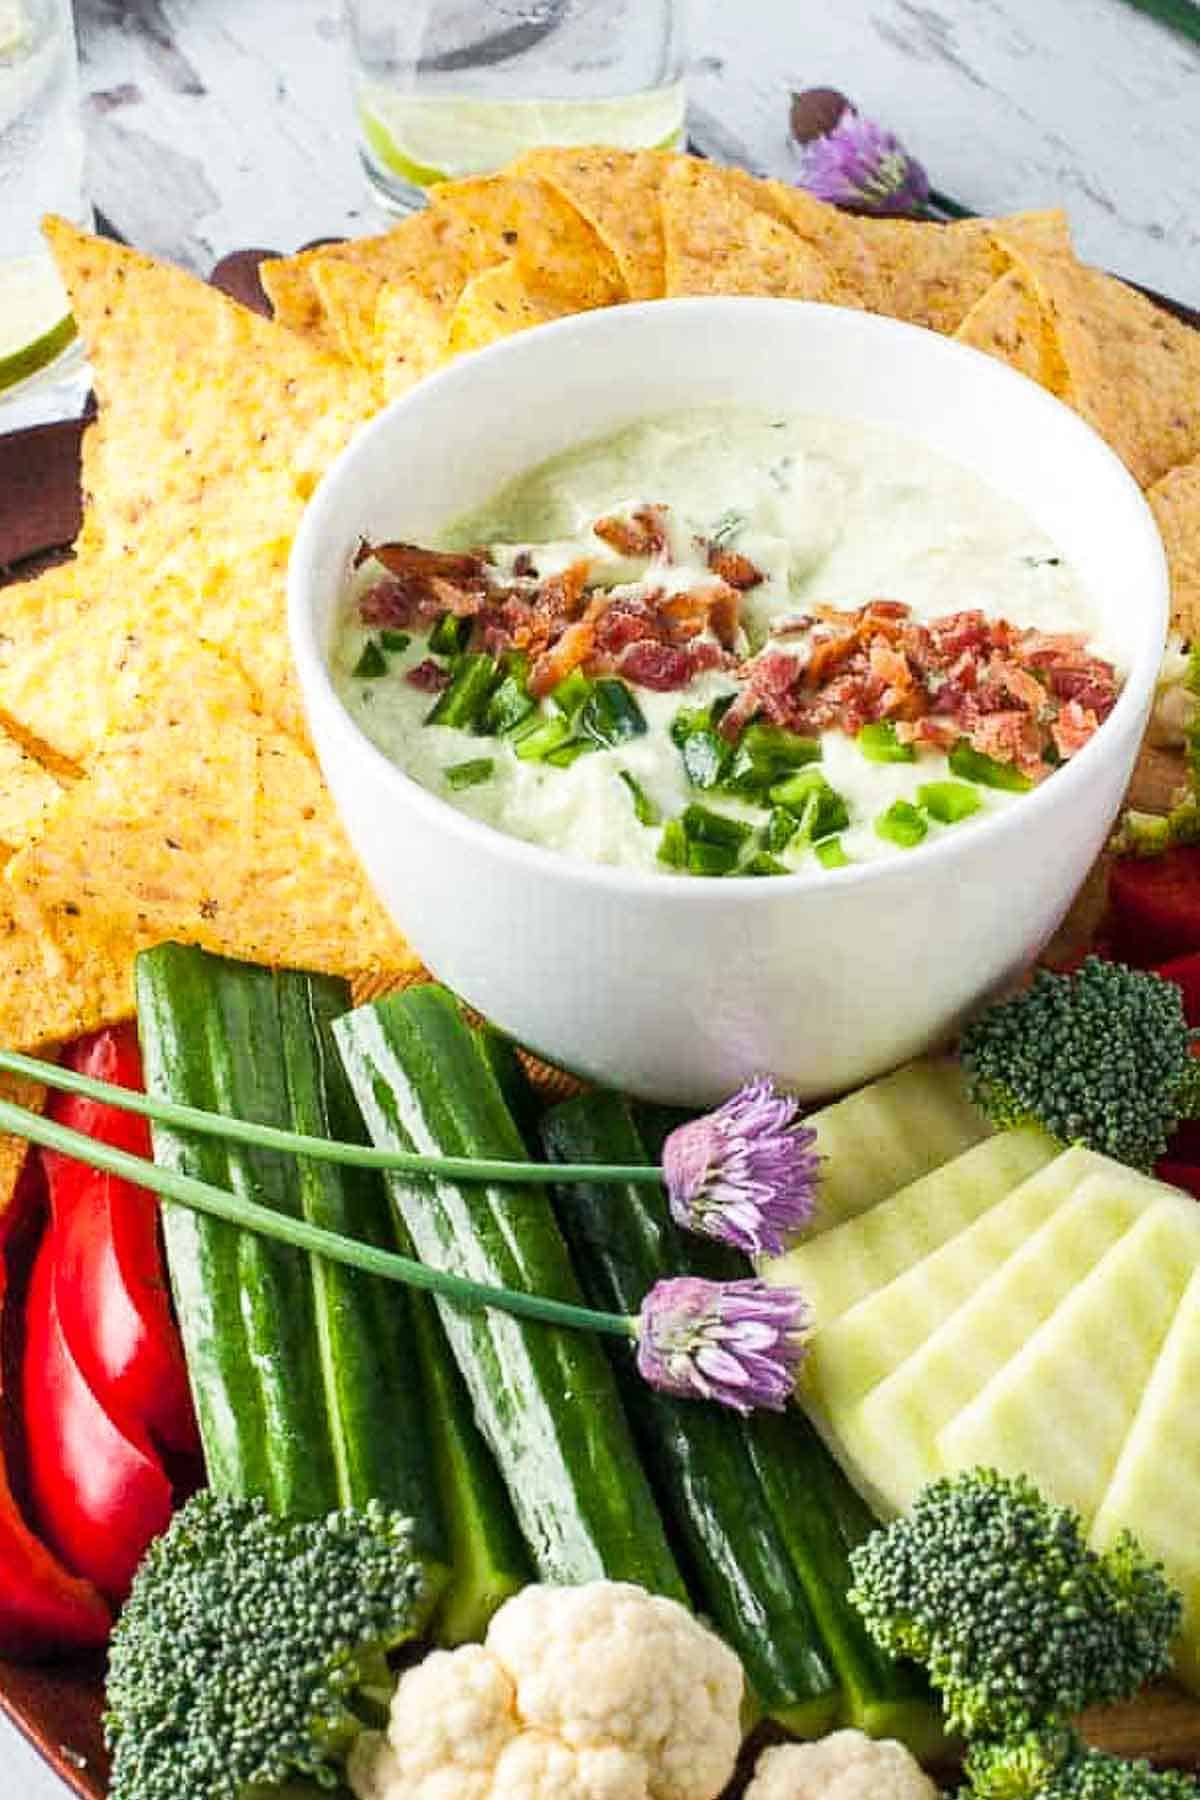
59, 1706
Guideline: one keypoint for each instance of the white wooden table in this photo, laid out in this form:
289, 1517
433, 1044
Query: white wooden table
215, 124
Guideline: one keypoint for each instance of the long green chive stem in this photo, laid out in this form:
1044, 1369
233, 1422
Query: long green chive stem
273, 1137
250, 1216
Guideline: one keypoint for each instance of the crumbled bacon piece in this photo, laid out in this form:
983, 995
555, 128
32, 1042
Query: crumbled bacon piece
641, 533
734, 568
1072, 729
421, 584
567, 652
429, 676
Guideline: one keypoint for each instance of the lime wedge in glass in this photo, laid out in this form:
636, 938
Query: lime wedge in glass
431, 137
35, 317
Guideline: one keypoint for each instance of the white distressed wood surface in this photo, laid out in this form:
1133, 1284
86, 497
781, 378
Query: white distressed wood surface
213, 124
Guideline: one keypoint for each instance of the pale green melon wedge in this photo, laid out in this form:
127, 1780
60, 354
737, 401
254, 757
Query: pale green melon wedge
874, 1337
842, 1266
891, 1435
1061, 1410
890, 1133
1155, 1489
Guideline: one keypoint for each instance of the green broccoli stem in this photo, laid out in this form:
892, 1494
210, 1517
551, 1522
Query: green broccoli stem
235, 1209
273, 1137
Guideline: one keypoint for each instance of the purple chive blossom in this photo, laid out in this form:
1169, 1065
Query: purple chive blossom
746, 1174
849, 160
737, 1342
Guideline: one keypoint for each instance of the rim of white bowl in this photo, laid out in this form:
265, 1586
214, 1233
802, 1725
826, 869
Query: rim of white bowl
699, 890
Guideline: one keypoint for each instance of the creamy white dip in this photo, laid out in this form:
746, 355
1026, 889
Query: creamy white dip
830, 512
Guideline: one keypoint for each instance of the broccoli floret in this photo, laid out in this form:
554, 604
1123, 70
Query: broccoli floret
1101, 1057
1017, 1622
1057, 1766
244, 1642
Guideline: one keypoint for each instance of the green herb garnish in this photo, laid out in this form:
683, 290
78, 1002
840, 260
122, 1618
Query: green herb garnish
831, 855
371, 663
463, 703
644, 809
449, 635
395, 641
948, 801
470, 774
901, 824
610, 714
973, 765
879, 743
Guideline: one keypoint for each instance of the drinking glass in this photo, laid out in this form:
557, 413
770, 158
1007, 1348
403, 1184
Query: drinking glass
443, 88
41, 171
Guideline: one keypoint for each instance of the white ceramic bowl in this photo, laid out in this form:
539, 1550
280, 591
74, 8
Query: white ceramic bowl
678, 989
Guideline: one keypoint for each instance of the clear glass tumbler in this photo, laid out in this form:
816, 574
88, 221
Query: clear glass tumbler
41, 171
445, 88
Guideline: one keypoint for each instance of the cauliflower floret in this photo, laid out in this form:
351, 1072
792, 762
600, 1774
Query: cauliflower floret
844, 1766
603, 1692
608, 1663
534, 1767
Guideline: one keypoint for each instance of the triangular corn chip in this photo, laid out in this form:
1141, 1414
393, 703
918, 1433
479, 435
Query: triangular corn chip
496, 304
1011, 324
27, 792
200, 821
617, 192
525, 219
717, 242
933, 275
1176, 503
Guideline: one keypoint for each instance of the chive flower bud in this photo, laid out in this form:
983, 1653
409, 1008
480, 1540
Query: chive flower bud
739, 1343
849, 160
746, 1173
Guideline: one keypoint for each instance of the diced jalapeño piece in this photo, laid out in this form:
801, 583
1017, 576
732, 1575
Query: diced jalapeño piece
572, 691
547, 734
644, 809
901, 824
766, 755
879, 743
948, 801
610, 714
567, 753
371, 663
464, 702
819, 808
470, 774
395, 641
763, 864
706, 827
705, 756
781, 828
973, 765
449, 635
673, 845
710, 859
508, 707
830, 854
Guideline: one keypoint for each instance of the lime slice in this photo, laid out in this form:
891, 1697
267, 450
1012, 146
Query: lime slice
431, 137
35, 317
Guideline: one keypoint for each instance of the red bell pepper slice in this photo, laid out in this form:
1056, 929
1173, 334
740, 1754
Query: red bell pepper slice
1154, 904
110, 1281
44, 1610
99, 1495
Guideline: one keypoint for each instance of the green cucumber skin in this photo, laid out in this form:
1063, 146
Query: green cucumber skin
488, 1560
545, 1397
623, 1238
377, 1417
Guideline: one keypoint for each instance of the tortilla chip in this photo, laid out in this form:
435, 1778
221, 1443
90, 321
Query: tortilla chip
717, 242
526, 220
1133, 371
617, 192
933, 275
27, 792
199, 821
14, 1151
1011, 324
348, 296
1176, 503
215, 425
496, 304
34, 612
295, 302
60, 977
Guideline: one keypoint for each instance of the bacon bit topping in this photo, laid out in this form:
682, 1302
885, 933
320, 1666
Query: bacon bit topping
429, 676
421, 585
642, 533
734, 568
1015, 694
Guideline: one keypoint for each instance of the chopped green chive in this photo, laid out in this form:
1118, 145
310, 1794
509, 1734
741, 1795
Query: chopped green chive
948, 801
610, 714
449, 635
673, 845
644, 809
546, 735
973, 765
901, 824
463, 703
727, 528
831, 855
880, 744
470, 774
395, 641
371, 663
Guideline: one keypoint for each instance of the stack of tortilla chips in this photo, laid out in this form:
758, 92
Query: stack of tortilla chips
158, 782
